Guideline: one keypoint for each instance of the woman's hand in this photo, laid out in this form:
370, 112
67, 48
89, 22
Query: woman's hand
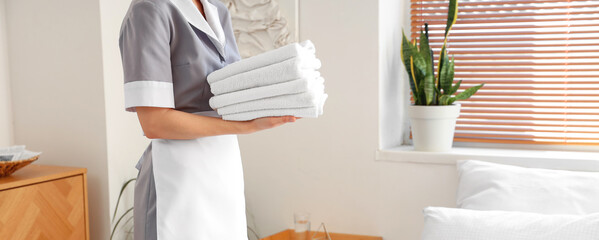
264, 123
167, 123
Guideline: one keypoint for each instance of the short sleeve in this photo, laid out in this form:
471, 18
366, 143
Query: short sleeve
145, 51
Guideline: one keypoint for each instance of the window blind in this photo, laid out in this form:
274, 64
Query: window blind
539, 60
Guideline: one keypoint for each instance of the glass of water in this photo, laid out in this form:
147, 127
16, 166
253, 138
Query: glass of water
302, 226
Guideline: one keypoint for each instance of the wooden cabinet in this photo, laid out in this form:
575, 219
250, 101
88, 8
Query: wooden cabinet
44, 202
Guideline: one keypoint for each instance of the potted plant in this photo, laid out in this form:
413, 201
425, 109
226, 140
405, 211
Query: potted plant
434, 112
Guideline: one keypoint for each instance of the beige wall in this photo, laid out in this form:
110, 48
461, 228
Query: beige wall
69, 96
327, 166
125, 140
6, 132
57, 90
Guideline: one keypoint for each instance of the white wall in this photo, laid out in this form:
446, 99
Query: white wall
6, 132
66, 74
57, 90
392, 17
124, 135
326, 166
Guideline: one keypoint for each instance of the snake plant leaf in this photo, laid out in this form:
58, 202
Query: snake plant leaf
440, 64
422, 100
468, 92
446, 100
420, 65
425, 51
425, 48
423, 70
421, 96
432, 86
429, 88
446, 74
438, 94
416, 92
449, 76
432, 54
455, 87
452, 16
451, 100
420, 71
406, 56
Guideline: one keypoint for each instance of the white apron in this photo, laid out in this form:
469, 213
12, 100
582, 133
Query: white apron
199, 188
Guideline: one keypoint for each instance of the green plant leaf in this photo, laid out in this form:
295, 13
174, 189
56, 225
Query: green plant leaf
116, 208
423, 70
446, 100
455, 87
423, 73
416, 94
406, 56
449, 76
440, 64
420, 65
429, 88
452, 16
117, 222
468, 92
446, 74
422, 100
425, 48
130, 229
451, 100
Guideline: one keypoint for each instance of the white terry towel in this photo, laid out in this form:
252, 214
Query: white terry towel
287, 70
303, 49
291, 87
299, 100
308, 112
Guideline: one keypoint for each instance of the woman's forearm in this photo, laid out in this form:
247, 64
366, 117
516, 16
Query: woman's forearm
168, 123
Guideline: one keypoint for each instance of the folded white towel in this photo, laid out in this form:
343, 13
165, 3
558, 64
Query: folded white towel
291, 87
309, 112
304, 49
285, 71
299, 100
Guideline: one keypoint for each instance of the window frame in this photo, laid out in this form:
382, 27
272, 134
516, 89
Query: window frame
394, 141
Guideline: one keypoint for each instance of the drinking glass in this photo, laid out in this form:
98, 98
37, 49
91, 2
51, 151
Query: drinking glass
302, 226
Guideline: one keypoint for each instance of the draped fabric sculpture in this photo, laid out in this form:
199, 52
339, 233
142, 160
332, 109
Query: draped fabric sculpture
258, 25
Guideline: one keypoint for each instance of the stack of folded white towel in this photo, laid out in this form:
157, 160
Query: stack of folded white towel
281, 82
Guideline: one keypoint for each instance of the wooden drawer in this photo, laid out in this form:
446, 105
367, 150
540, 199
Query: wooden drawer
45, 205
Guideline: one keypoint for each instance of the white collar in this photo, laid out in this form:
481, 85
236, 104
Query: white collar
211, 27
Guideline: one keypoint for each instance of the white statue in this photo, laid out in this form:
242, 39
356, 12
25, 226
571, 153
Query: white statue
258, 25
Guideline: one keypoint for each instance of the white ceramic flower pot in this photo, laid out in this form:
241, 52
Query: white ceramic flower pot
433, 126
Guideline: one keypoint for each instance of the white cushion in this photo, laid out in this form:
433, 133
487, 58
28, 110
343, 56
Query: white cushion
464, 224
491, 186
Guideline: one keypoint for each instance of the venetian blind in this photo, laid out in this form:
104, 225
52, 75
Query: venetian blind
539, 60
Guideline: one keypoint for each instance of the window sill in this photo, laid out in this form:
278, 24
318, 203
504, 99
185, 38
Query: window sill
567, 160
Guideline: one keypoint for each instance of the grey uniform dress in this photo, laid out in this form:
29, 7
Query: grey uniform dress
167, 50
